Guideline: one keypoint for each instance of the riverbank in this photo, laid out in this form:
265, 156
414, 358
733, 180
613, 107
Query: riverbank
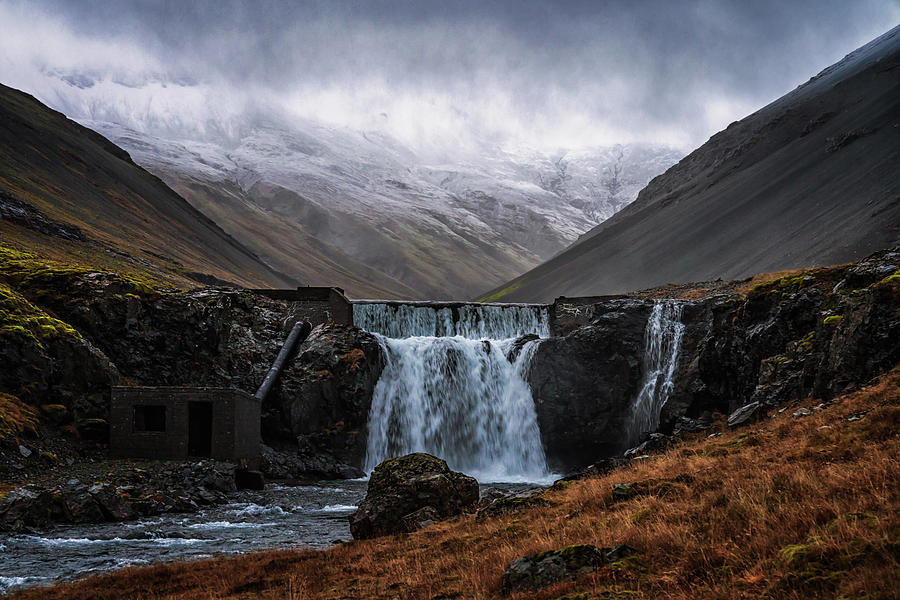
801, 505
278, 517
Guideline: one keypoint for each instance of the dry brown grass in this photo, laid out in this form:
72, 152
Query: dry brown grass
793, 508
763, 278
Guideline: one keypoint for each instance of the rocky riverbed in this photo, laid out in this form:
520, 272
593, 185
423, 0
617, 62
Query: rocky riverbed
307, 516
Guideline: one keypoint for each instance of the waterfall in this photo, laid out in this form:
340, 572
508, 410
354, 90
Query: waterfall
483, 321
662, 342
448, 387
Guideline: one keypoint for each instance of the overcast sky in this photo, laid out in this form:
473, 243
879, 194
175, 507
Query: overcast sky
551, 74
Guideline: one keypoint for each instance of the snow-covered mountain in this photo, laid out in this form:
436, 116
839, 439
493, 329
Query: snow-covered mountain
360, 209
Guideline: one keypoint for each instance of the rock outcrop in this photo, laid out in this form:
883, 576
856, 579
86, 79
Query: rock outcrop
537, 571
583, 383
818, 332
68, 334
407, 492
325, 393
150, 491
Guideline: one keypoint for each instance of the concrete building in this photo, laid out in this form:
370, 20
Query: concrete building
178, 423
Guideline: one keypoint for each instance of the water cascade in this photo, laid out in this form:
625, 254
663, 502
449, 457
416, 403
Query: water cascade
662, 342
476, 321
454, 386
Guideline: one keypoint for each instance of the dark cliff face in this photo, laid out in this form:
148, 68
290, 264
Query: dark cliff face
815, 333
106, 329
325, 394
583, 384
66, 336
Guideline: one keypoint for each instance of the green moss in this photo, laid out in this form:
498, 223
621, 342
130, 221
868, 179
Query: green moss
833, 320
807, 342
632, 563
7, 254
497, 295
21, 319
892, 279
52, 279
781, 285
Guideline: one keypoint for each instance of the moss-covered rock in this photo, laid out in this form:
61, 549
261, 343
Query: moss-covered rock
543, 569
402, 486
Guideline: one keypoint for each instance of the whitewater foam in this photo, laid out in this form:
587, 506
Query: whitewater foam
450, 389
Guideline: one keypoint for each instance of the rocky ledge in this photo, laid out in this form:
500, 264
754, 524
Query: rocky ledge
764, 342
130, 491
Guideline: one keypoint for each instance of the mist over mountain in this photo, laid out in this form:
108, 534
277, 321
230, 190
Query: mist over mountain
810, 179
411, 150
332, 205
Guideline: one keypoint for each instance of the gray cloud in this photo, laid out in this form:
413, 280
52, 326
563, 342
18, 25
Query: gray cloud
551, 73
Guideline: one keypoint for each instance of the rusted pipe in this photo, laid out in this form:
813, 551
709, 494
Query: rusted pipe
298, 333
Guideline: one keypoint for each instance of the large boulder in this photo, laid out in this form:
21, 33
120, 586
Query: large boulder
584, 383
325, 393
402, 486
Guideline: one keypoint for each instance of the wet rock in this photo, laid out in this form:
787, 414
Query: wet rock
490, 495
537, 571
518, 345
325, 393
656, 442
583, 384
27, 507
114, 505
401, 486
749, 413
83, 507
601, 467
246, 479
310, 466
685, 425
420, 519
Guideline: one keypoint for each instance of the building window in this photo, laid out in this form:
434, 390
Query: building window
149, 418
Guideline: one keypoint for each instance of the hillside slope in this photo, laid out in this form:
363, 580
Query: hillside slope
68, 192
810, 179
362, 203
801, 505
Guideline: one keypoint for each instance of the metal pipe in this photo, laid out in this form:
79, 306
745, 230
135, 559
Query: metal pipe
298, 333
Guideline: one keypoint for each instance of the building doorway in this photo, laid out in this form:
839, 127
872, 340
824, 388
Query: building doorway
200, 428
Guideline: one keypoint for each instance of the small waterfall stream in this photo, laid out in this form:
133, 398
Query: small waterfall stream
449, 388
662, 343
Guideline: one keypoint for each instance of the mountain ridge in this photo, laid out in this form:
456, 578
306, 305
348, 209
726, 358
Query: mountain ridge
773, 191
54, 169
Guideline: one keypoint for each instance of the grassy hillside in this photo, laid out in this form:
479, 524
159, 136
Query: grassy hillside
69, 193
794, 507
